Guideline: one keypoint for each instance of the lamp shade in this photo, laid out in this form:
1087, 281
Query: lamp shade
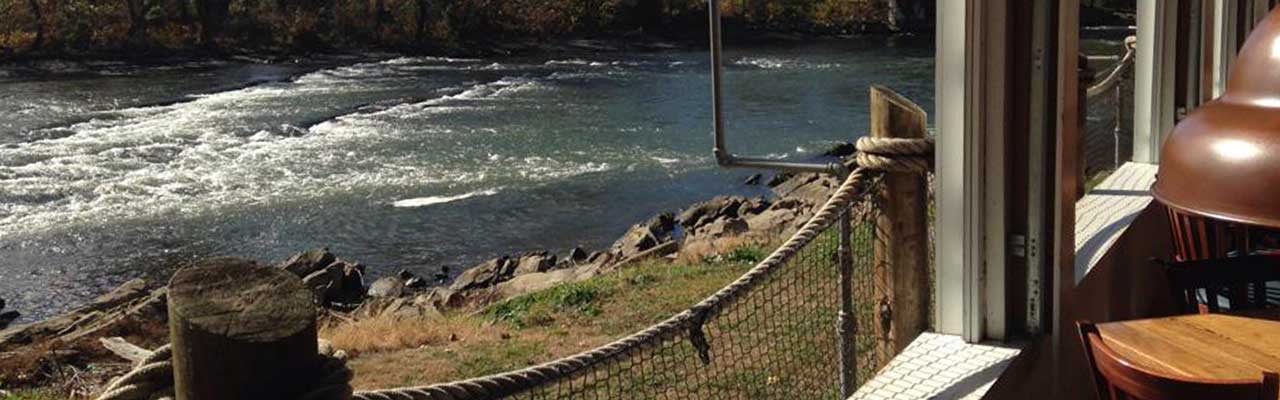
1223, 160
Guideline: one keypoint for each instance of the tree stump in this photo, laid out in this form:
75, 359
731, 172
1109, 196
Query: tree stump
241, 331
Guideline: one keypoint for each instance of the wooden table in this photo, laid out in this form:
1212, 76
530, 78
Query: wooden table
1214, 346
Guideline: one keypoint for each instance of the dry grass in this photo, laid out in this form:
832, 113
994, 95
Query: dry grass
382, 334
531, 329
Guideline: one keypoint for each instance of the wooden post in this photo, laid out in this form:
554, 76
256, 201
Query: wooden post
241, 331
902, 233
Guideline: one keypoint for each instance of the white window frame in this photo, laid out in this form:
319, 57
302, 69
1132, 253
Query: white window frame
970, 246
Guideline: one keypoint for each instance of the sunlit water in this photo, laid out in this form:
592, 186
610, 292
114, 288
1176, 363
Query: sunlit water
398, 162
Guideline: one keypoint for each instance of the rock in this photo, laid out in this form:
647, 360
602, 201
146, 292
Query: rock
535, 262
484, 275
753, 206
595, 257
130, 301
753, 180
308, 262
327, 283
780, 179
412, 281
2, 304
645, 236
442, 275
124, 293
7, 318
841, 150
390, 286
661, 250
352, 284
723, 228
533, 282
443, 298
720, 207
577, 256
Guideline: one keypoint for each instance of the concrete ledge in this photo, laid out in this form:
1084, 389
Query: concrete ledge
939, 366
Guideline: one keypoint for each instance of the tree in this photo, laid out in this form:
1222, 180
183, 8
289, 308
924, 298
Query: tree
424, 19
213, 16
137, 21
39, 18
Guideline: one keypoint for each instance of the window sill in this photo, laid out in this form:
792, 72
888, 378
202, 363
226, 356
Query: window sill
937, 366
1104, 214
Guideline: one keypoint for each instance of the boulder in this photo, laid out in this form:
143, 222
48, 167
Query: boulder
327, 284
719, 207
352, 284
596, 257
577, 256
130, 301
535, 262
723, 228
390, 286
646, 235
753, 206
412, 281
841, 150
780, 179
308, 262
484, 275
442, 275
7, 318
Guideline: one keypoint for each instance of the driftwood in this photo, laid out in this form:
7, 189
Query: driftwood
124, 349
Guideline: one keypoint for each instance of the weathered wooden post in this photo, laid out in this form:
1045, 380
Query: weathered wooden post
241, 331
902, 232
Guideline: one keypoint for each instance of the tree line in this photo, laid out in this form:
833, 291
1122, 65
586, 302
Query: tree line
69, 26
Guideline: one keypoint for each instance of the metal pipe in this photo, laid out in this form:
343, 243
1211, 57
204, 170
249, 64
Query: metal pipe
724, 157
848, 329
717, 83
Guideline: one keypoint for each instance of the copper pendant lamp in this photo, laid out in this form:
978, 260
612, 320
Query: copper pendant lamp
1220, 168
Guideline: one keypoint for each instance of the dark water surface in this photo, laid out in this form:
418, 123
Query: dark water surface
402, 162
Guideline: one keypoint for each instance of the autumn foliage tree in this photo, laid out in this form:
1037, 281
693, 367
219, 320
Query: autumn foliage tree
70, 26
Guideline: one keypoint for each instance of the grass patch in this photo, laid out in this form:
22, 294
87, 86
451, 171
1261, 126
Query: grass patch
38, 394
533, 328
540, 308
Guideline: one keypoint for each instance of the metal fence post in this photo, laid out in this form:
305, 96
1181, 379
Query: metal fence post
848, 327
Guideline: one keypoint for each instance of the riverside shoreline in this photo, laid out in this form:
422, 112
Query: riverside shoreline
137, 309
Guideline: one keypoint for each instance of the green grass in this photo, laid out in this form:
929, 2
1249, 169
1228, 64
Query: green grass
37, 394
650, 291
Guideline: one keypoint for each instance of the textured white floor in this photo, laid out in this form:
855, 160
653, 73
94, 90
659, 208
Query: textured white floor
939, 367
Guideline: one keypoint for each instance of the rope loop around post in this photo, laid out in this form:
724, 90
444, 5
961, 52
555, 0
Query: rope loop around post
895, 154
152, 378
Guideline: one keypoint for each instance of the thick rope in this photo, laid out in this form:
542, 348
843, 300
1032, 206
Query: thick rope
1113, 78
152, 378
895, 154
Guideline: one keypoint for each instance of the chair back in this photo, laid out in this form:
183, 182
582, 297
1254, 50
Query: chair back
1245, 277
1119, 379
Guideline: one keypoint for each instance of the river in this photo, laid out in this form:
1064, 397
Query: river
116, 172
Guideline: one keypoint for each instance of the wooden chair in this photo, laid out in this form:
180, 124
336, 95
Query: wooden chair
1119, 379
1246, 276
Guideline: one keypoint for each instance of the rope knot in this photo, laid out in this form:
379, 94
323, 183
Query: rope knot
896, 154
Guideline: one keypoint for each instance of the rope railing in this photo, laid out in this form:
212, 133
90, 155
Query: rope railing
1116, 75
770, 333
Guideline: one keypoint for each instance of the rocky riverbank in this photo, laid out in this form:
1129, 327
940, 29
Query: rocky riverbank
137, 309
